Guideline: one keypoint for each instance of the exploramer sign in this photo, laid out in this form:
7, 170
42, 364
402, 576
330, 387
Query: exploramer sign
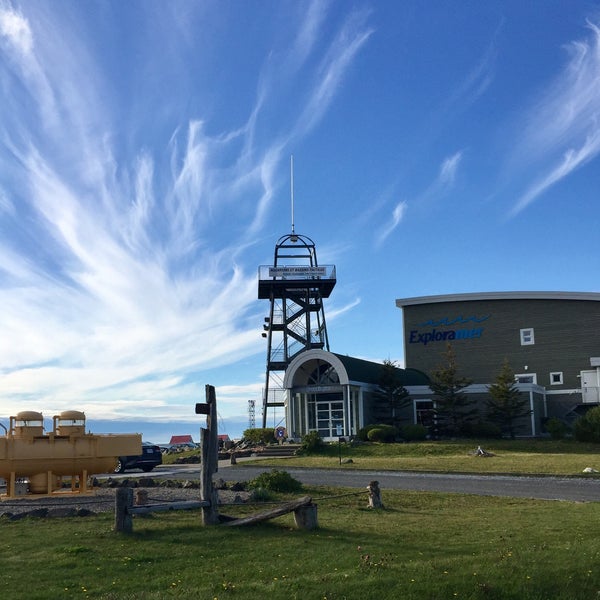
435, 335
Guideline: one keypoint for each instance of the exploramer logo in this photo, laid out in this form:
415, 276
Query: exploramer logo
448, 335
417, 337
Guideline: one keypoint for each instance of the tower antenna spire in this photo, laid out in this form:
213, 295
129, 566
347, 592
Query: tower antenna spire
292, 189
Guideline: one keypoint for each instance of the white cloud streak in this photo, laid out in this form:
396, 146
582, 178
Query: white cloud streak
442, 183
563, 131
449, 168
396, 218
118, 285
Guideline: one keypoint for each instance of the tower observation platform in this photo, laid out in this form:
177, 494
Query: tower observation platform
295, 284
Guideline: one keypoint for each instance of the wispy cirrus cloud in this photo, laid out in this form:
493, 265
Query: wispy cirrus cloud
448, 169
563, 126
397, 215
122, 275
435, 190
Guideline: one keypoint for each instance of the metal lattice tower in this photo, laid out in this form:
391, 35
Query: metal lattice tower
295, 285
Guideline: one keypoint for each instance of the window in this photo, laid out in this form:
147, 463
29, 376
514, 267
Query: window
556, 378
425, 413
526, 378
527, 338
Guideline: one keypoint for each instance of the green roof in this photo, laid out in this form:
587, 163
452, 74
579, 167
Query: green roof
366, 371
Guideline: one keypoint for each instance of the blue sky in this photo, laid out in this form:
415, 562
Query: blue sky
439, 147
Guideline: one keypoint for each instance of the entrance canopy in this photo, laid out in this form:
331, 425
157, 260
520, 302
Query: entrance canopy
312, 366
333, 393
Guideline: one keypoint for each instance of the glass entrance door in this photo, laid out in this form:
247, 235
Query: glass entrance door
330, 418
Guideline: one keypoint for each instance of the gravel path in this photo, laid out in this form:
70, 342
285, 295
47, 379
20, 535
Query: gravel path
102, 500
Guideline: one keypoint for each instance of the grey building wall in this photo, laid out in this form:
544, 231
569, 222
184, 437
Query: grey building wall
485, 332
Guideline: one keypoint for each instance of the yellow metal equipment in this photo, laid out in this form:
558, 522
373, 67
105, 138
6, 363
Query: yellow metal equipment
32, 462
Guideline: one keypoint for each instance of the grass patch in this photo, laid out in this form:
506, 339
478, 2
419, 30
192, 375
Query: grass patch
539, 457
423, 545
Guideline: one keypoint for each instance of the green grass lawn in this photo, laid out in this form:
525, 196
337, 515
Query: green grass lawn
540, 457
422, 545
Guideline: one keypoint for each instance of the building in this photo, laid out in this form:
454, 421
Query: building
550, 339
334, 394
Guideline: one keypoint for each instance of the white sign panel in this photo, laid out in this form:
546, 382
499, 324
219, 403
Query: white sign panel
297, 271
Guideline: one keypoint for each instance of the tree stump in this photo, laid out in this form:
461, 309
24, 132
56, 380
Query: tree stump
374, 495
233, 459
305, 517
141, 497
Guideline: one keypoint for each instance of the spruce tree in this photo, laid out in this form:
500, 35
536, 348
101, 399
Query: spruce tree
453, 408
505, 404
391, 395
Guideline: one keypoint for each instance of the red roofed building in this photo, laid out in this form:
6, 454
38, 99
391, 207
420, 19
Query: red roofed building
181, 439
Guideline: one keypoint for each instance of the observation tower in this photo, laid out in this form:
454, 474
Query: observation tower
295, 285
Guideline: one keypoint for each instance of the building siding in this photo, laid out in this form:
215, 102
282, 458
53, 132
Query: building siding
566, 334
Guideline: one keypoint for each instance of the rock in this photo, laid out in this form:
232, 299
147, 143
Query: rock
147, 482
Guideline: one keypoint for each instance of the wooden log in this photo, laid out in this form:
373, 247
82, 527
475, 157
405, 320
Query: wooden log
123, 505
183, 505
288, 507
305, 517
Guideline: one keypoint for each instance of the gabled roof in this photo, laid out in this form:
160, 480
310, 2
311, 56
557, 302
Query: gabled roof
181, 439
349, 369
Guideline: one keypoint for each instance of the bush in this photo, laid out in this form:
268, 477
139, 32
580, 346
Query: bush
312, 442
363, 433
275, 481
587, 428
556, 428
413, 433
261, 495
259, 435
382, 433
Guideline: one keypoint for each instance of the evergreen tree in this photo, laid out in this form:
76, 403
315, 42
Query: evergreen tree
453, 408
505, 404
391, 395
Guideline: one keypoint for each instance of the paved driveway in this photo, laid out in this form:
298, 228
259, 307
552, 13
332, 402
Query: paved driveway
578, 489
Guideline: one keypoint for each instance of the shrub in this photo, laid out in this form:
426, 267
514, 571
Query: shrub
275, 481
259, 435
261, 495
556, 428
382, 433
413, 433
312, 442
363, 433
587, 428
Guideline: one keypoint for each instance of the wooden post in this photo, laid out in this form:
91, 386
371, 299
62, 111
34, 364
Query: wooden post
209, 441
123, 502
374, 495
305, 517
141, 497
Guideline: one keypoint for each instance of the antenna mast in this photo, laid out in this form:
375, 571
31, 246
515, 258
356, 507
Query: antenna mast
292, 188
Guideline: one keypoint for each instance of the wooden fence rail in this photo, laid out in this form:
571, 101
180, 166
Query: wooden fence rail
305, 512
